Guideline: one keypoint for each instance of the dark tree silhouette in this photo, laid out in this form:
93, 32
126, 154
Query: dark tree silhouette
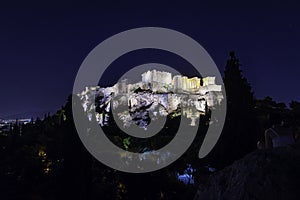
76, 171
295, 116
240, 133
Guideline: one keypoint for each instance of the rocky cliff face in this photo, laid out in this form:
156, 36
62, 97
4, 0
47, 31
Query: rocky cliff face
263, 174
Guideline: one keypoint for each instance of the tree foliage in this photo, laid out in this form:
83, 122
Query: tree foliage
239, 135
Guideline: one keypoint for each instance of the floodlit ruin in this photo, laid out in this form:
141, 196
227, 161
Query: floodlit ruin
157, 93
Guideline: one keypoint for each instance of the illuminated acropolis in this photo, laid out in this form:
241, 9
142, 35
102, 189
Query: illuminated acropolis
157, 88
160, 81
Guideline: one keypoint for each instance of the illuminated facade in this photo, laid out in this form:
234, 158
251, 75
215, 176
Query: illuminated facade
157, 81
157, 76
158, 90
183, 83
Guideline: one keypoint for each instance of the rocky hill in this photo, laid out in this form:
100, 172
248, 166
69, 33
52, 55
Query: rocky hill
264, 174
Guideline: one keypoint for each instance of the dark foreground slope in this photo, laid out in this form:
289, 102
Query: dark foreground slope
263, 174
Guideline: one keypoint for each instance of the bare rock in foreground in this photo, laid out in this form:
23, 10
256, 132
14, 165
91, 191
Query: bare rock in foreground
264, 174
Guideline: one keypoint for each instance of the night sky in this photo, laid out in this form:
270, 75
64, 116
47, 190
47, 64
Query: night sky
42, 45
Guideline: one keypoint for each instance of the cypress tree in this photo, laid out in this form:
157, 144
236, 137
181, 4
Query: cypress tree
240, 134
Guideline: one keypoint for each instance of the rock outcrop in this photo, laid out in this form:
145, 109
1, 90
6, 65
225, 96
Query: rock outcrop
264, 174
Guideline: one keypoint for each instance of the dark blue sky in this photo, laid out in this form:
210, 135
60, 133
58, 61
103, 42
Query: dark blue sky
43, 44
